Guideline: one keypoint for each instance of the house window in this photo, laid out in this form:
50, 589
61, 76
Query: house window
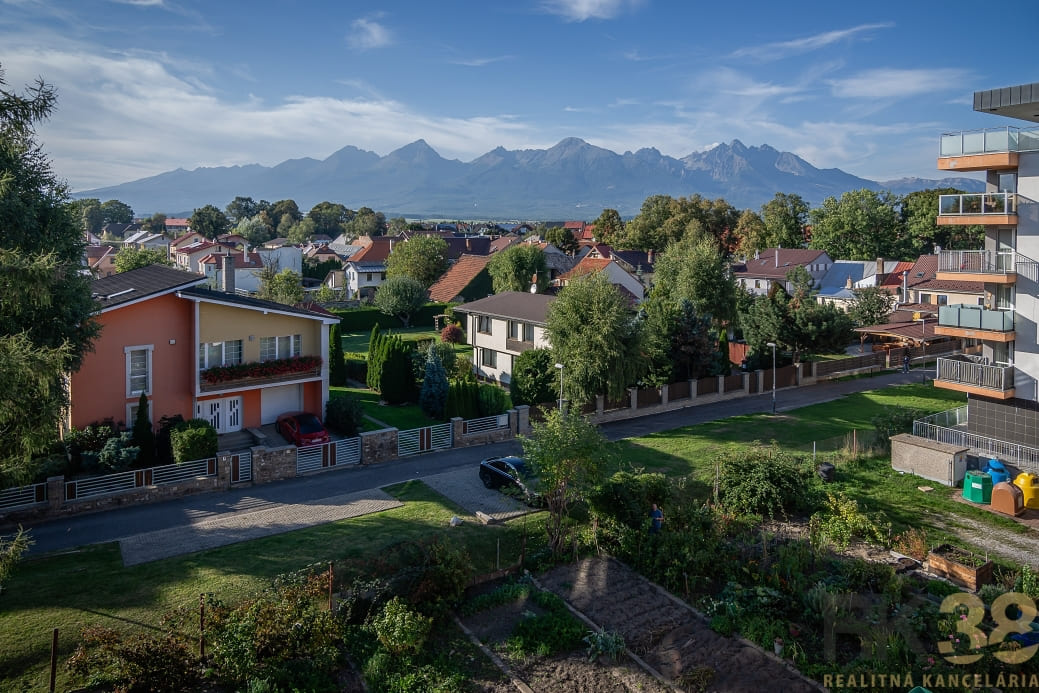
489, 358
925, 298
757, 283
382, 277
138, 370
280, 347
212, 354
943, 300
483, 324
367, 276
521, 331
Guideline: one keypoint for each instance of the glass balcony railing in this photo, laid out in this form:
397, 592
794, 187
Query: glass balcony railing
978, 261
976, 318
973, 204
962, 370
989, 141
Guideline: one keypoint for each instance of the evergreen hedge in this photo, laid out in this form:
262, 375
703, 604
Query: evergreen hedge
365, 318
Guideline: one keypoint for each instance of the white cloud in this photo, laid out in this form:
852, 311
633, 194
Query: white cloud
783, 49
581, 10
895, 83
367, 33
479, 62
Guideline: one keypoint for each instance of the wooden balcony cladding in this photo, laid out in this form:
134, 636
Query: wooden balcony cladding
998, 161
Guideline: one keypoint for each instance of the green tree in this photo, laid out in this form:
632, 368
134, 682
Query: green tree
336, 362
277, 211
374, 357
367, 222
143, 434
45, 300
254, 230
534, 377
300, 232
433, 397
132, 258
679, 343
570, 457
872, 306
423, 258
209, 221
785, 217
75, 208
750, 233
400, 297
609, 228
11, 551
513, 269
92, 218
116, 212
156, 223
330, 218
861, 225
283, 287
919, 214
242, 208
397, 225
594, 334
695, 270
396, 383
561, 238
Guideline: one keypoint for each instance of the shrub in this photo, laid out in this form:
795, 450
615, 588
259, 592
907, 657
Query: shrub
534, 379
492, 400
375, 357
433, 397
118, 454
163, 445
604, 643
400, 629
462, 399
626, 497
344, 415
194, 439
842, 520
767, 481
892, 421
143, 435
89, 439
452, 334
11, 551
396, 384
912, 543
138, 662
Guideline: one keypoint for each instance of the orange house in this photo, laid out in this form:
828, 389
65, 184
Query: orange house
161, 333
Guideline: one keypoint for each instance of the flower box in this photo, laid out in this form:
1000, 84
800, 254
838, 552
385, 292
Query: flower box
960, 566
222, 377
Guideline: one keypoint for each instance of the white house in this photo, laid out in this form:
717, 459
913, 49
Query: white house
503, 326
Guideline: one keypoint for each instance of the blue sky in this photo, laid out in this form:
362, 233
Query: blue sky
147, 86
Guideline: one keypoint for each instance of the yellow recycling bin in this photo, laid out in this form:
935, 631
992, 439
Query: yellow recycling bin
1029, 485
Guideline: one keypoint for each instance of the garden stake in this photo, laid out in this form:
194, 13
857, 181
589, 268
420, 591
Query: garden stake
330, 585
54, 657
497, 558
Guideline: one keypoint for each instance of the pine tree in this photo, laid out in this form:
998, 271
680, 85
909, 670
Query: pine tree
396, 384
433, 397
336, 362
375, 344
143, 435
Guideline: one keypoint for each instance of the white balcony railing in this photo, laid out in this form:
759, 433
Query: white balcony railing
978, 261
974, 204
953, 427
962, 370
989, 141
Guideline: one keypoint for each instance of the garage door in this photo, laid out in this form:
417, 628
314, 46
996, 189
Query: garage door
278, 400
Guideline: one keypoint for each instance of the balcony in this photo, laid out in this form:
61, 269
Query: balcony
989, 209
992, 149
964, 374
976, 322
993, 267
250, 375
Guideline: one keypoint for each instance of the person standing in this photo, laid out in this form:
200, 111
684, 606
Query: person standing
905, 362
656, 517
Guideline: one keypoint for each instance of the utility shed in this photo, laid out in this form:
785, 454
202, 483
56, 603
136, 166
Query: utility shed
929, 459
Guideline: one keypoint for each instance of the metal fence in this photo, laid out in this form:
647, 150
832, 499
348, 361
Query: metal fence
23, 496
486, 423
416, 440
121, 482
310, 459
241, 467
939, 427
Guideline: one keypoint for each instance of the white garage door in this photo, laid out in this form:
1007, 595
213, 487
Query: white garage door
278, 400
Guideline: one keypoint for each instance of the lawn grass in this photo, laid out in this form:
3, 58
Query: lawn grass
74, 589
403, 417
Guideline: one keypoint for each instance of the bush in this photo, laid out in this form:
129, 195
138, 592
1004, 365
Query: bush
194, 439
767, 481
400, 629
842, 520
118, 454
492, 400
344, 415
892, 421
336, 364
626, 497
547, 634
89, 439
452, 334
396, 384
364, 318
433, 397
138, 662
143, 435
163, 444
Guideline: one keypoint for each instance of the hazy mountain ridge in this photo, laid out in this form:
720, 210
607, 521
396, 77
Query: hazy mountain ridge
572, 179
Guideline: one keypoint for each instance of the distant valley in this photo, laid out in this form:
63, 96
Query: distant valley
572, 180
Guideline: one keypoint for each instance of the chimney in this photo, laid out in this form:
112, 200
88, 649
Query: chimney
649, 256
228, 277
881, 274
905, 286
777, 257
847, 282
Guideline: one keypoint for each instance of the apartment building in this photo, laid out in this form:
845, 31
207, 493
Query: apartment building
1001, 380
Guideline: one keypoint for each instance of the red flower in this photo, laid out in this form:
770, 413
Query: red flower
266, 369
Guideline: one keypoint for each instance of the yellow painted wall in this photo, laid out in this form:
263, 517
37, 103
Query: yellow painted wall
222, 323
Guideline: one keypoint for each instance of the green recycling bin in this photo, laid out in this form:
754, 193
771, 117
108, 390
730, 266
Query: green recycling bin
977, 487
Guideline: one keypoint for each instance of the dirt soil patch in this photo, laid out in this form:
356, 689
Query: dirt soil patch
665, 632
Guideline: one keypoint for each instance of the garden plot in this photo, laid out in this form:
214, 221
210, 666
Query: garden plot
672, 639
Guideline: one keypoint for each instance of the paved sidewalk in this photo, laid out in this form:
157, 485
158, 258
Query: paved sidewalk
221, 531
464, 488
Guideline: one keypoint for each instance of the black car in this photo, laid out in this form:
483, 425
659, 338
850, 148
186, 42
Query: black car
511, 476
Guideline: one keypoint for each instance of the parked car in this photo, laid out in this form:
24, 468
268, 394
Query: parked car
302, 428
511, 476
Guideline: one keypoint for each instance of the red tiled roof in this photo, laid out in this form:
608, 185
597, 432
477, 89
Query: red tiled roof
953, 285
240, 262
457, 277
587, 265
378, 251
503, 242
894, 277
579, 225
774, 263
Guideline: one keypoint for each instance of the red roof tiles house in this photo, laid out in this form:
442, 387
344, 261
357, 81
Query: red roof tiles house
458, 277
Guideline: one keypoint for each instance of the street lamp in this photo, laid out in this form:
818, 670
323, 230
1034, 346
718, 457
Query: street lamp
560, 367
773, 345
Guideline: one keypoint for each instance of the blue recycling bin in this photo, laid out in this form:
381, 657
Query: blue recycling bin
997, 471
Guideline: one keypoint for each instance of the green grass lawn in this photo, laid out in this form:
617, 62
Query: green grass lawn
403, 417
74, 589
355, 344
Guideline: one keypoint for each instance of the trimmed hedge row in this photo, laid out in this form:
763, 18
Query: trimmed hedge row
364, 318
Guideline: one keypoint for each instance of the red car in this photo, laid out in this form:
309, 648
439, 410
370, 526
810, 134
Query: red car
302, 428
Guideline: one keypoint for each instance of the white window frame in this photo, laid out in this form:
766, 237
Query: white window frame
493, 358
295, 347
481, 321
131, 413
128, 358
203, 354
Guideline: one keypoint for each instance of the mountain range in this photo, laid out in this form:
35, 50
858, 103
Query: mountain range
572, 180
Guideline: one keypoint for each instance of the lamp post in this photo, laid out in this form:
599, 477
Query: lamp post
773, 345
560, 367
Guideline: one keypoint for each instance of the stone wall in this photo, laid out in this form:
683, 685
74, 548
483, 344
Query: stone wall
273, 464
934, 461
379, 446
495, 435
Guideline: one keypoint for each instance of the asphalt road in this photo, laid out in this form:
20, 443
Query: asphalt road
111, 525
